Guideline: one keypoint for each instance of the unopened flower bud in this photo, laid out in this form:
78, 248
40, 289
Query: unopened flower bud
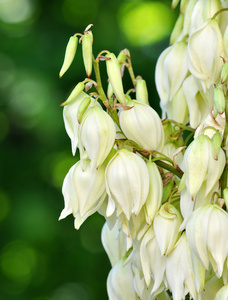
177, 29
141, 91
216, 145
219, 99
87, 53
69, 54
224, 72
74, 94
82, 108
127, 183
166, 227
114, 76
142, 124
96, 135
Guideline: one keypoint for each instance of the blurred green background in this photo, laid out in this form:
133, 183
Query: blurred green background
41, 258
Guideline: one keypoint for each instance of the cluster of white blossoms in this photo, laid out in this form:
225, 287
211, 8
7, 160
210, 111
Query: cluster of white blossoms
161, 185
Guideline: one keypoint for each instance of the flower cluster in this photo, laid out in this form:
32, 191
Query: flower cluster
161, 185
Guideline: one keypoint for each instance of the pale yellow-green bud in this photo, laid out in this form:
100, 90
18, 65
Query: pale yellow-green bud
177, 29
74, 94
225, 195
224, 72
141, 91
216, 145
219, 99
69, 54
175, 3
114, 76
82, 108
87, 53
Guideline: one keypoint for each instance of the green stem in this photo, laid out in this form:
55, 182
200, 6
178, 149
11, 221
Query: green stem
179, 125
176, 171
98, 79
130, 69
218, 12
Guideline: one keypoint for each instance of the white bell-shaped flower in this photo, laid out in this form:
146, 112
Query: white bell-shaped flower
205, 49
114, 242
184, 272
120, 282
97, 134
83, 191
166, 227
127, 183
200, 165
207, 236
171, 69
152, 262
154, 198
70, 120
143, 125
197, 106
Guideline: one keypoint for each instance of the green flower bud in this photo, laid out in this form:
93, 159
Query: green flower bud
114, 76
82, 108
225, 195
74, 94
216, 145
177, 29
219, 99
141, 91
224, 72
69, 54
87, 53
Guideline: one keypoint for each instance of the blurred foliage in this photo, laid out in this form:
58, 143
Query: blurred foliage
41, 258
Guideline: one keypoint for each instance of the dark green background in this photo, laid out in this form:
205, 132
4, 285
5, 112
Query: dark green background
41, 258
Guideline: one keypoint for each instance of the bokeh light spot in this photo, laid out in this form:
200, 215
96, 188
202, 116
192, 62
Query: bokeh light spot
18, 11
145, 23
4, 125
7, 71
71, 291
4, 202
18, 261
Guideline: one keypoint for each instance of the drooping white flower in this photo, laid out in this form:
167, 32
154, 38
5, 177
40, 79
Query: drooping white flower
143, 125
154, 198
127, 183
184, 272
114, 242
120, 282
205, 49
166, 227
206, 235
70, 120
152, 261
96, 135
171, 69
200, 165
83, 191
